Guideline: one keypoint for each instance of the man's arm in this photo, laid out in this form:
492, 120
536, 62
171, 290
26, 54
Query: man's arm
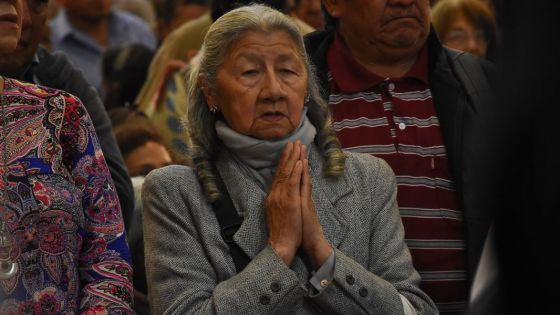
56, 71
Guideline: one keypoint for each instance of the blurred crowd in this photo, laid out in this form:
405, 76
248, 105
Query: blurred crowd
128, 60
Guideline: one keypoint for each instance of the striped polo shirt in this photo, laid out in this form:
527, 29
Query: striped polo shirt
395, 119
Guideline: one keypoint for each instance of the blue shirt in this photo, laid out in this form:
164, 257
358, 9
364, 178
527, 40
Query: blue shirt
85, 53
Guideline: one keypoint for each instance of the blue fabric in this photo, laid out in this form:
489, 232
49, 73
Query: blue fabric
85, 53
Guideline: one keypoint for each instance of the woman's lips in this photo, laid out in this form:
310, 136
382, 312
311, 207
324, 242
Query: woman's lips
9, 20
275, 116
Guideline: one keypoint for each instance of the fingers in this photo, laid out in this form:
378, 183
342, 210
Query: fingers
306, 178
290, 155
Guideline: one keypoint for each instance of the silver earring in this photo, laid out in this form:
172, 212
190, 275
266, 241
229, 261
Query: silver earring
214, 109
306, 99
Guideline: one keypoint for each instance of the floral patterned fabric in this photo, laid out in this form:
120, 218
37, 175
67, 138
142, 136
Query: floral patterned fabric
60, 207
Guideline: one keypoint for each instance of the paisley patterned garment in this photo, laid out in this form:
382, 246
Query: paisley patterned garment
60, 207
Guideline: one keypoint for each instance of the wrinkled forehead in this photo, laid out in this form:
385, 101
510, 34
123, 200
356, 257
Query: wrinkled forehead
277, 44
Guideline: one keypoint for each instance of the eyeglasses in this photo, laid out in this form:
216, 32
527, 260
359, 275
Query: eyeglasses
461, 37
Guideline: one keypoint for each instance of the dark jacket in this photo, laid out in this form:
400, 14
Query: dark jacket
462, 93
55, 71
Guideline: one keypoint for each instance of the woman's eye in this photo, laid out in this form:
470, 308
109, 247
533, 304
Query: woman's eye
250, 73
287, 71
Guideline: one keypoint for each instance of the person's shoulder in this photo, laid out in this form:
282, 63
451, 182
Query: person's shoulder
59, 28
129, 18
194, 28
54, 61
132, 24
55, 70
465, 58
367, 168
172, 175
22, 88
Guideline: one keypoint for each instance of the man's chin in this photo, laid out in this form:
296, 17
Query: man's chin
12, 65
404, 38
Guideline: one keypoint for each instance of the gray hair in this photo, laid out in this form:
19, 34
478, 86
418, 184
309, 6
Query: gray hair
203, 140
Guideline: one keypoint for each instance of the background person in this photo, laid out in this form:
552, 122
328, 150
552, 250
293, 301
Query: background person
84, 29
174, 13
31, 63
396, 93
467, 25
124, 70
63, 247
309, 11
320, 228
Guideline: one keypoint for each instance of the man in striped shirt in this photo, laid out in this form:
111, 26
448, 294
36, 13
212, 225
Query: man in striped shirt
395, 93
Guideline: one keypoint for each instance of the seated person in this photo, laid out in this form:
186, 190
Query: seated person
273, 216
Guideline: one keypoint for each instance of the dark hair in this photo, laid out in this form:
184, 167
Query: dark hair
124, 70
221, 7
120, 115
133, 129
131, 135
169, 7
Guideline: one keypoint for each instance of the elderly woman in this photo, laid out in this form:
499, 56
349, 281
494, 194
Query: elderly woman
62, 243
319, 230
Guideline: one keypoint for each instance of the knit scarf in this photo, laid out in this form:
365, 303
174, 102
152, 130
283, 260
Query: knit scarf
260, 157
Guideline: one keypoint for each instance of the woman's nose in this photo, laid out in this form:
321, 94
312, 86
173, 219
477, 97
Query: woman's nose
273, 88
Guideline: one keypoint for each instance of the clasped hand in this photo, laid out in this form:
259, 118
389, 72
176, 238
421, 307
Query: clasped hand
290, 212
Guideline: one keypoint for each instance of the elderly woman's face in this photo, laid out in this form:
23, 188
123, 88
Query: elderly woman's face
261, 86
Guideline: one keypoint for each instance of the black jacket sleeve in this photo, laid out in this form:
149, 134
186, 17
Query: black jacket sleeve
56, 71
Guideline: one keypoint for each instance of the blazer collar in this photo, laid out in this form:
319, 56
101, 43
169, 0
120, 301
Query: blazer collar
250, 201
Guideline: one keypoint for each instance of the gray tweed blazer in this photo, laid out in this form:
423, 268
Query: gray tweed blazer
189, 269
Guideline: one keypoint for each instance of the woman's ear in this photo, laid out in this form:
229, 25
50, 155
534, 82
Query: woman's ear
206, 90
332, 7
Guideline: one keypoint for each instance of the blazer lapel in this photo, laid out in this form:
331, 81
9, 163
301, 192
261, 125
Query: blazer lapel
326, 193
249, 200
449, 104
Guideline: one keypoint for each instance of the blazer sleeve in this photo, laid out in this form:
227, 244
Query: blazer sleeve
182, 279
377, 288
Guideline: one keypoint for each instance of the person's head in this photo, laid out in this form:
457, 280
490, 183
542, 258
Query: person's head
141, 8
33, 23
386, 30
124, 70
174, 13
310, 12
10, 24
87, 9
254, 70
142, 147
467, 25
221, 7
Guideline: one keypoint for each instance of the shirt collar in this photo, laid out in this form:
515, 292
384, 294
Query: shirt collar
64, 28
28, 75
350, 76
